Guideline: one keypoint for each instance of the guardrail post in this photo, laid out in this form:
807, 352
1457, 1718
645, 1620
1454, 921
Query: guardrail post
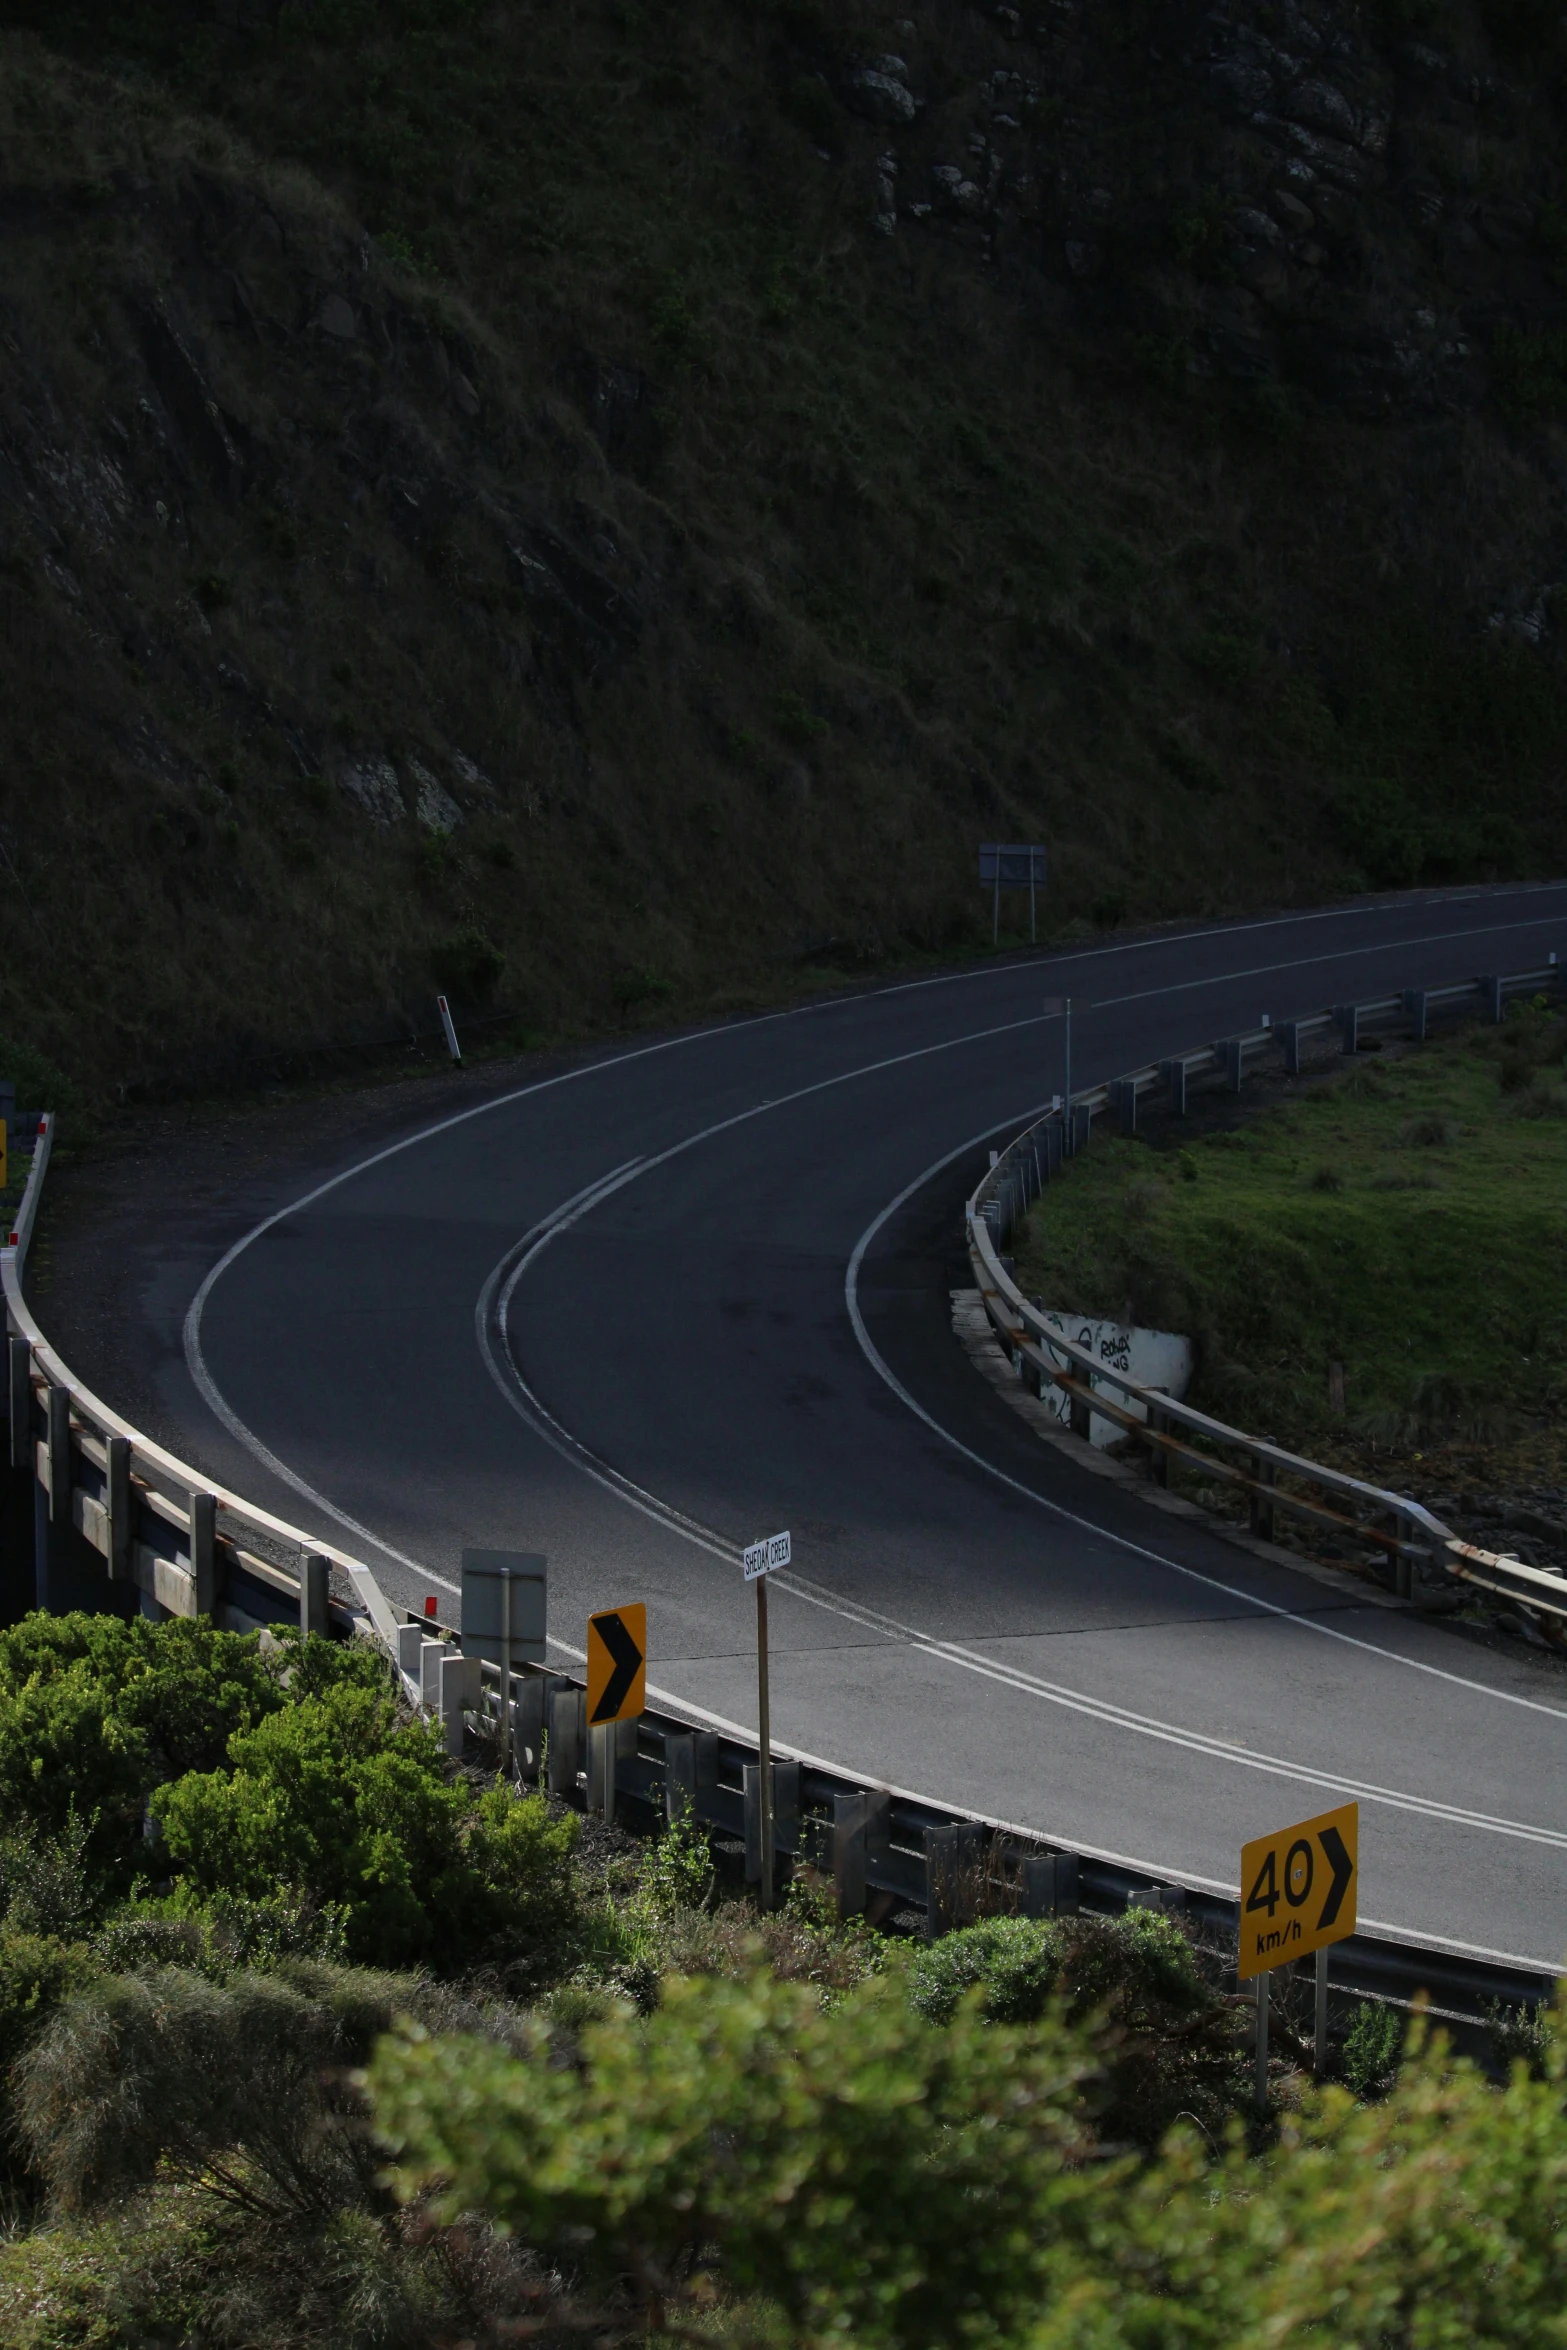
1126, 1104
1079, 1414
1348, 1018
460, 1687
786, 1806
1288, 1034
527, 1721
1232, 1056
951, 1858
59, 1441
117, 1505
848, 1855
1158, 1458
429, 1675
21, 1403
567, 1708
315, 1591
204, 1551
1319, 2044
1491, 996
1415, 1006
1050, 1885
1082, 1126
1053, 1148
690, 1772
1403, 1564
1174, 1075
1262, 1503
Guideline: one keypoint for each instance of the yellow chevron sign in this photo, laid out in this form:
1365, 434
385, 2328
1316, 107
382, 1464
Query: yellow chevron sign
1298, 1889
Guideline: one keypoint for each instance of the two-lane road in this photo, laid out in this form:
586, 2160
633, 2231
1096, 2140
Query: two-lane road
647, 1308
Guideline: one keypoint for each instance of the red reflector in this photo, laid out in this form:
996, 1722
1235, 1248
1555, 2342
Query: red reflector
429, 1605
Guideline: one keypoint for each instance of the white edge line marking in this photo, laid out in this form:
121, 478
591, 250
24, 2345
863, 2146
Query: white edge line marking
493, 1304
1160, 1873
1057, 1509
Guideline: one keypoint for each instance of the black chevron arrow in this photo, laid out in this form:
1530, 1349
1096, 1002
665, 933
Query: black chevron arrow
1343, 1869
628, 1662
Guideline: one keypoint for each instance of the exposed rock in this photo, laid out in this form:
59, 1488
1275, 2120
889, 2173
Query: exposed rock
337, 317
373, 783
434, 806
1321, 108
1257, 228
1297, 218
880, 98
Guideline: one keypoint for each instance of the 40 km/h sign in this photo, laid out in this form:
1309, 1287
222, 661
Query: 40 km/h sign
1298, 1890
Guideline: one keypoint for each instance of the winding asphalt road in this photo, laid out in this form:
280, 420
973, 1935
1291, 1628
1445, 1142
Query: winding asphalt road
686, 1293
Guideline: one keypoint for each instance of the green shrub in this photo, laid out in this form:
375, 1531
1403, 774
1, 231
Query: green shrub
889, 2182
341, 1802
1014, 1962
875, 2177
1369, 2058
95, 1713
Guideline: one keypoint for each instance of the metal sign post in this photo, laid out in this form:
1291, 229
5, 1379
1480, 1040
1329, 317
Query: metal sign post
1060, 1007
504, 1604
759, 1560
1009, 865
1298, 1896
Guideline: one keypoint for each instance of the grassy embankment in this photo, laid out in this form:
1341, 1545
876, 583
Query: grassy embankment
1407, 1220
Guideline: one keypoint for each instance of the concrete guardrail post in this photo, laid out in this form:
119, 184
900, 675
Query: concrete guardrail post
430, 1655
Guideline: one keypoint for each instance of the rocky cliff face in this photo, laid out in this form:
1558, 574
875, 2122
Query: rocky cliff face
598, 510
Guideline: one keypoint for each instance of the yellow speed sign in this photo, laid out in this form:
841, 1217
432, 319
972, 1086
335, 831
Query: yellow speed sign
1298, 1889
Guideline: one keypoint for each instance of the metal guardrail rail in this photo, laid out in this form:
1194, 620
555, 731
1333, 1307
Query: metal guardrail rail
142, 1517
1414, 1541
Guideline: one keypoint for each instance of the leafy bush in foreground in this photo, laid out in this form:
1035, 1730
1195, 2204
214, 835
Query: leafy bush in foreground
881, 2178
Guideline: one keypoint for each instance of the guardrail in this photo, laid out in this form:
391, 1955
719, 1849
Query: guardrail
113, 1508
1274, 1480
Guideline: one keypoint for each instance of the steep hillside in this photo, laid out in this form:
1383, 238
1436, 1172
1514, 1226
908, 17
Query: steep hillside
603, 507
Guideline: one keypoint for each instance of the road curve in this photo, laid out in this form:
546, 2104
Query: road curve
645, 1309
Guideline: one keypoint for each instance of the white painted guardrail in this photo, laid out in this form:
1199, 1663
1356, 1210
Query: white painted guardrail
156, 1522
1273, 1478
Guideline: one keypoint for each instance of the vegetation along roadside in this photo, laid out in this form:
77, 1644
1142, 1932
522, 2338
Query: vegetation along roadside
314, 2037
1372, 1269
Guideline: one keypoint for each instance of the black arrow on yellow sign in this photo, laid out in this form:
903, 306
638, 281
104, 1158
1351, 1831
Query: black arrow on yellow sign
617, 1664
1343, 1868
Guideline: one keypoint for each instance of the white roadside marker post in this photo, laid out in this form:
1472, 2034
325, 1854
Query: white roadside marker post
759, 1560
452, 1046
